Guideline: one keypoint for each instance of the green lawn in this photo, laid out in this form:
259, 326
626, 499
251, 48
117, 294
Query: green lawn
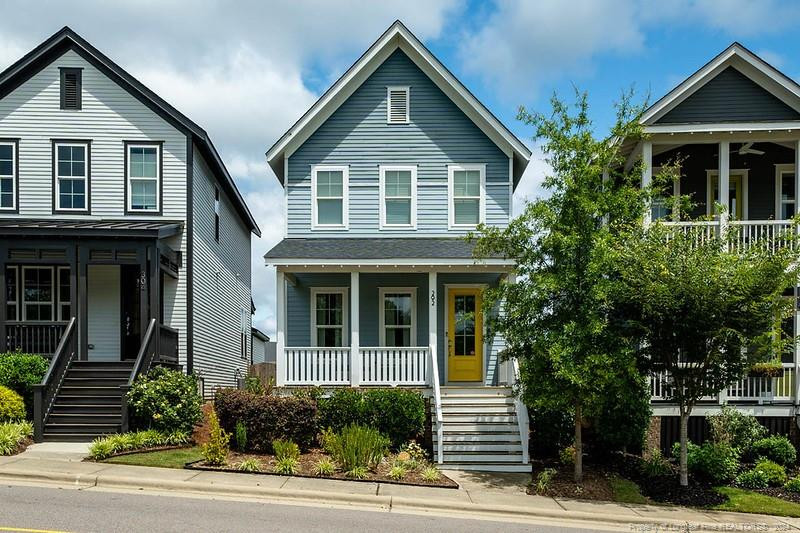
745, 501
165, 458
626, 491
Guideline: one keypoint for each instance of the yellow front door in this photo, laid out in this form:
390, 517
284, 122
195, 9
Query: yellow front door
464, 335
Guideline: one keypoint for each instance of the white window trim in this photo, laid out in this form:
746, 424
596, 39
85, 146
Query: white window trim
780, 170
59, 301
382, 291
53, 290
15, 302
676, 192
403, 88
345, 312
345, 203
711, 202
85, 178
413, 197
13, 176
157, 179
451, 210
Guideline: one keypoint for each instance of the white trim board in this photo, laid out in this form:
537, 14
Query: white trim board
780, 169
397, 37
382, 291
382, 169
446, 338
744, 173
344, 291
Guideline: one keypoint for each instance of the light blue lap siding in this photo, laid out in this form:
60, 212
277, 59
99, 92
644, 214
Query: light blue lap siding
298, 305
358, 136
371, 305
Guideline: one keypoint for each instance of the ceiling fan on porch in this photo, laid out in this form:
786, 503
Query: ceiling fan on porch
747, 149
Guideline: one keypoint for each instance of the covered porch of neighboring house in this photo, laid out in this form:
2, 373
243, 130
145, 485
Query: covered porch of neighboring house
406, 322
90, 296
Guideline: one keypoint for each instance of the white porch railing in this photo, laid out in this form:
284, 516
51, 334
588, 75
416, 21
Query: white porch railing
317, 366
749, 388
394, 366
744, 233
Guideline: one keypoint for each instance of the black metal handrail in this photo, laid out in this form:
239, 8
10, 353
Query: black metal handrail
144, 359
44, 394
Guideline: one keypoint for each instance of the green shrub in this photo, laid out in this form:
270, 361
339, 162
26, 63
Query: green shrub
253, 385
249, 465
656, 465
567, 456
285, 448
397, 413
430, 474
287, 466
12, 408
324, 467
267, 418
13, 434
20, 372
552, 430
623, 416
737, 429
165, 400
104, 447
793, 485
752, 479
240, 435
775, 473
397, 472
715, 462
776, 448
358, 446
691, 448
544, 479
215, 451
415, 452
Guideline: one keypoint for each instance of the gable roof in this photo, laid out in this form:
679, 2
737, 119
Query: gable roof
785, 90
398, 37
66, 39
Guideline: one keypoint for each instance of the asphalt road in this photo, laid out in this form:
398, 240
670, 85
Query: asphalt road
49, 509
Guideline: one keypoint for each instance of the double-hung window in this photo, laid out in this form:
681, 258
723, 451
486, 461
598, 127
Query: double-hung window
398, 316
144, 177
8, 175
466, 191
329, 196
329, 317
37, 293
398, 196
785, 206
71, 176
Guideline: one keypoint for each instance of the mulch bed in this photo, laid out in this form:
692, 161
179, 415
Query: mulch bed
21, 446
667, 489
306, 469
595, 485
780, 492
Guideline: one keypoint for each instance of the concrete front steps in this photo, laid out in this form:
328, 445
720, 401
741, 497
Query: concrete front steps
480, 430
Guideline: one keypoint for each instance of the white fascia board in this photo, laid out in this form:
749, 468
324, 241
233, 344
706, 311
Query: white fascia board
723, 127
421, 262
772, 80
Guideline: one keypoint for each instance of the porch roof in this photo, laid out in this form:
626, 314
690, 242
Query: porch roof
374, 250
90, 228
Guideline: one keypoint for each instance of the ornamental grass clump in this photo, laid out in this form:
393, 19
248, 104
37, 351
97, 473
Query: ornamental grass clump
284, 449
104, 447
397, 472
358, 446
215, 451
324, 467
13, 434
430, 474
286, 465
249, 465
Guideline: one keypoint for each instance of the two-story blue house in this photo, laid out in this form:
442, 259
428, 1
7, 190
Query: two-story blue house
376, 285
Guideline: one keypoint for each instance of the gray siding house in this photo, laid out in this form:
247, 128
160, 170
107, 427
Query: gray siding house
122, 237
376, 285
735, 123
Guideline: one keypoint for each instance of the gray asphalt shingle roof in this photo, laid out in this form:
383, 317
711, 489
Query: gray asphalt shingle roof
380, 248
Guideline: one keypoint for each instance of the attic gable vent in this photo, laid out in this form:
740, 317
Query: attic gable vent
397, 108
70, 88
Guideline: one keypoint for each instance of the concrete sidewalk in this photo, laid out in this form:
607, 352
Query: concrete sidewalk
480, 494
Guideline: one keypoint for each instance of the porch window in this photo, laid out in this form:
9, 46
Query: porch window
398, 317
144, 175
12, 293
329, 317
72, 176
37, 294
64, 311
466, 186
786, 195
329, 202
8, 175
398, 196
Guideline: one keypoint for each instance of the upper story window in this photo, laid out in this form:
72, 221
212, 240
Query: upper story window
8, 175
71, 176
466, 192
70, 88
398, 196
144, 177
397, 105
329, 197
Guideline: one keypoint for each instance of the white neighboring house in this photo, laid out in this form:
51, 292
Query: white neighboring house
260, 347
124, 241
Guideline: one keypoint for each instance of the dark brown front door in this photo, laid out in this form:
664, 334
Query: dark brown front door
130, 293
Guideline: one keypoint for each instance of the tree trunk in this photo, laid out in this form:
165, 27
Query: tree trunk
684, 469
578, 444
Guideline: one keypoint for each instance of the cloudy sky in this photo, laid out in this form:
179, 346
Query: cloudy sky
246, 70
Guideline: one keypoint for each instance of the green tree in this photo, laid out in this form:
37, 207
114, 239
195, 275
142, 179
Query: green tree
700, 309
556, 315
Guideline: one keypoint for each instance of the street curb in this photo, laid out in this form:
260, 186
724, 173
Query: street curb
375, 501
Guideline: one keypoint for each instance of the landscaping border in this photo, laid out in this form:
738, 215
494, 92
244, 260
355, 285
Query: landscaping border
134, 452
192, 466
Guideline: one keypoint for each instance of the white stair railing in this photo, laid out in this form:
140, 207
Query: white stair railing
437, 404
522, 414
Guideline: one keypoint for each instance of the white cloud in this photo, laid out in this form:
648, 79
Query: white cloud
530, 186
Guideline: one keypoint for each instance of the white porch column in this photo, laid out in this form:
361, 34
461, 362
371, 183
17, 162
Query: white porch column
796, 291
647, 176
280, 330
724, 184
432, 322
355, 356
